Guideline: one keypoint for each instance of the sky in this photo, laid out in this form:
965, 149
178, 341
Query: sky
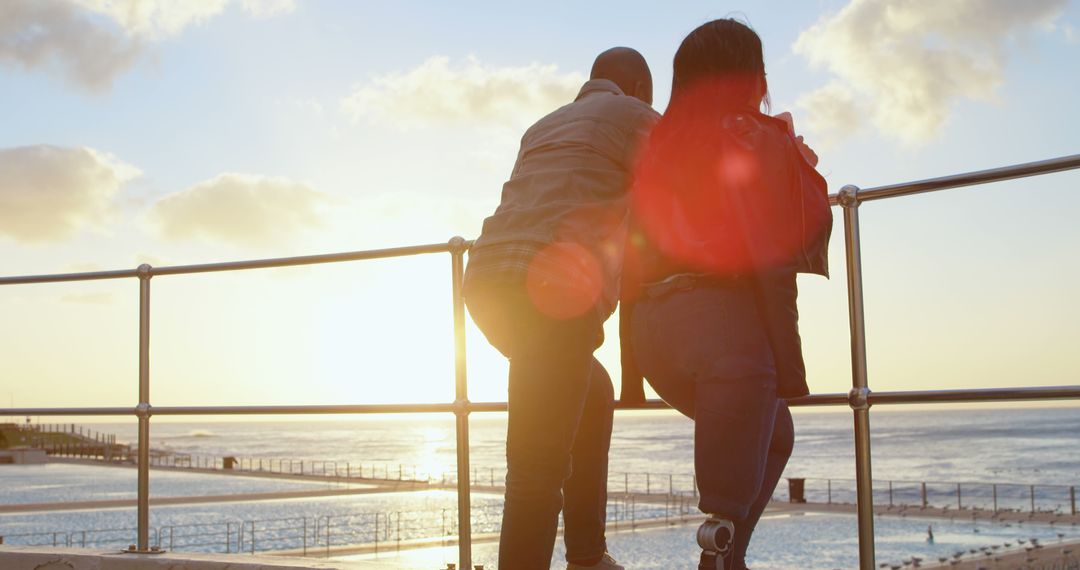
174, 132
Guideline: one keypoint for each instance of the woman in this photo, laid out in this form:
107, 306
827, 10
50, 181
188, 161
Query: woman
728, 210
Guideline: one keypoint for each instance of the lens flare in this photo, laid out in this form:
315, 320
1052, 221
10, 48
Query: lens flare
564, 280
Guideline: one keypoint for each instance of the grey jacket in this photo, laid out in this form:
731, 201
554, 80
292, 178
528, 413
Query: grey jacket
571, 179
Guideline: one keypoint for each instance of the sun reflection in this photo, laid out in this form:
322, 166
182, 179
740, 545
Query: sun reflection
431, 441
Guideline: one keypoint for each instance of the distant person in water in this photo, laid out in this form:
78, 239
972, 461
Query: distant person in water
728, 209
541, 280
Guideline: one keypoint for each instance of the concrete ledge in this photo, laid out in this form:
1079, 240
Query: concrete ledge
45, 558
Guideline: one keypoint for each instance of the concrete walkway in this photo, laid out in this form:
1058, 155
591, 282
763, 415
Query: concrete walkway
1058, 556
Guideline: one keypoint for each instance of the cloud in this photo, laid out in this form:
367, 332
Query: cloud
240, 209
48, 193
835, 111
267, 8
909, 62
92, 42
161, 19
57, 35
438, 93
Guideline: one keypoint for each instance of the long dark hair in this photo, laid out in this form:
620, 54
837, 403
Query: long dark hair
723, 56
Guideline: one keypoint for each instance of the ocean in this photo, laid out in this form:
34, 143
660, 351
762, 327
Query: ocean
1014, 445
1013, 448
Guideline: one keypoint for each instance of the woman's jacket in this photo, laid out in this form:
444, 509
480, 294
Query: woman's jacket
726, 194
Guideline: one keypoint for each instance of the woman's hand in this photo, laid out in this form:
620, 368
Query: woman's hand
804, 149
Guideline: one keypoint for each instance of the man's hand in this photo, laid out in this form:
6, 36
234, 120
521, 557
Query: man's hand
804, 149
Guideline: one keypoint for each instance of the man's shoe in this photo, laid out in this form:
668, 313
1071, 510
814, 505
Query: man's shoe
606, 563
715, 537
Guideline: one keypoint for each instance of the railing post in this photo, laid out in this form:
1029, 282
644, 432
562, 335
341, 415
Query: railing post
890, 494
925, 502
994, 489
142, 411
1072, 499
1031, 492
859, 397
458, 248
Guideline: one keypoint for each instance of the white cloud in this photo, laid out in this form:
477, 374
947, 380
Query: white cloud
266, 8
91, 42
159, 19
57, 35
909, 61
48, 193
241, 209
437, 92
832, 110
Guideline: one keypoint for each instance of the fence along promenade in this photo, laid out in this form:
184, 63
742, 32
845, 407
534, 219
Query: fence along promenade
860, 398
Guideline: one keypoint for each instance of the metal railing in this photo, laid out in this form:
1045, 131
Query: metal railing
860, 398
960, 496
350, 531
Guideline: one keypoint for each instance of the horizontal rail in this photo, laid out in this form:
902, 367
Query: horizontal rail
972, 178
67, 277
1022, 170
237, 265
970, 483
976, 395
900, 397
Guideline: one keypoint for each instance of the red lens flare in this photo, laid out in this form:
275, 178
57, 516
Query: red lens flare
715, 191
564, 280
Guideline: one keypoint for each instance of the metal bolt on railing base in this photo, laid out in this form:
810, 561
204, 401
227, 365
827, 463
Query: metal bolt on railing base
132, 549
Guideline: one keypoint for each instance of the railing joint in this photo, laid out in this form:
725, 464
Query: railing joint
859, 398
848, 197
458, 245
143, 410
144, 271
462, 407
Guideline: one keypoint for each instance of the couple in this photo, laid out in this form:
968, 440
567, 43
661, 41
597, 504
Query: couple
699, 222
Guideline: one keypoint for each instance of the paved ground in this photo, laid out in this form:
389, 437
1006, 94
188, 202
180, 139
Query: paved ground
1064, 556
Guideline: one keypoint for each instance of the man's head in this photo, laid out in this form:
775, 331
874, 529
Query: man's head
627, 68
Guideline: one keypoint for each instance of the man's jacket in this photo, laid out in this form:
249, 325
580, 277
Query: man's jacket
570, 185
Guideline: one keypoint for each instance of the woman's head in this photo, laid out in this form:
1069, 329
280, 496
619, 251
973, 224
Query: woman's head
723, 56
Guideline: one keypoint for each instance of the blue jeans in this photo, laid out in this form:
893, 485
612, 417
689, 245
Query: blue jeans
706, 352
561, 404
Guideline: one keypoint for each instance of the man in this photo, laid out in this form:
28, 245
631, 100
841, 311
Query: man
542, 279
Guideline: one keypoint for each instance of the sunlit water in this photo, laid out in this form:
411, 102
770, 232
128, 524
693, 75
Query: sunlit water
804, 542
1013, 445
1018, 446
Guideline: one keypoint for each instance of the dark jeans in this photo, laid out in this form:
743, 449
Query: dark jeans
561, 406
706, 352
